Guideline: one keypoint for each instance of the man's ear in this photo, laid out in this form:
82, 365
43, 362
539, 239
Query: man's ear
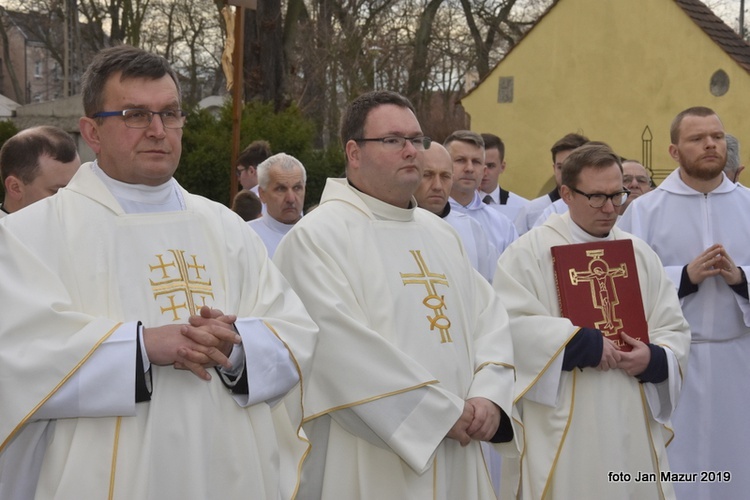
13, 187
566, 194
352, 153
673, 152
90, 133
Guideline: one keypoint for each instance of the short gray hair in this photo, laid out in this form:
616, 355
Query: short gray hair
733, 154
284, 162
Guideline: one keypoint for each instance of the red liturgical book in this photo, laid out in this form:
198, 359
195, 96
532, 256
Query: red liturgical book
597, 284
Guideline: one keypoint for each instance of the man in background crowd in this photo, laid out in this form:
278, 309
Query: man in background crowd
36, 163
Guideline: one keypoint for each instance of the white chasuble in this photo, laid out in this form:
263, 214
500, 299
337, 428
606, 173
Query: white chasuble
79, 268
408, 332
588, 433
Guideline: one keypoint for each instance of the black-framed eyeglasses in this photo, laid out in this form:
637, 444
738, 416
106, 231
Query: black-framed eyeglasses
598, 200
397, 143
141, 118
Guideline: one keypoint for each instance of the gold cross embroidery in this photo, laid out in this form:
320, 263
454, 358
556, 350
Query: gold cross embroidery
190, 289
433, 300
601, 279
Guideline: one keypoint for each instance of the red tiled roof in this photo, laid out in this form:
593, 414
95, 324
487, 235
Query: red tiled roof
724, 36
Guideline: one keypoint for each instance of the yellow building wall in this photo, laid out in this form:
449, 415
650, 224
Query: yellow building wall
605, 69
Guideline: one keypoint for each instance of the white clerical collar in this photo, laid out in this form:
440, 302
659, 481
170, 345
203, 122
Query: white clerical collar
139, 198
476, 202
386, 211
275, 225
581, 236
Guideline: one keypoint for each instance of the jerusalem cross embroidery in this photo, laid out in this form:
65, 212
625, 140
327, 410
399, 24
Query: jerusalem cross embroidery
601, 279
432, 301
181, 285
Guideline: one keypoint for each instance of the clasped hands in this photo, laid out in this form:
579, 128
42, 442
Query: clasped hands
633, 363
480, 420
711, 262
206, 341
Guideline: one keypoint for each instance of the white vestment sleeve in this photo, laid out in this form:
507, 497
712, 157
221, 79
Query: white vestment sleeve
662, 397
104, 386
398, 422
546, 390
270, 371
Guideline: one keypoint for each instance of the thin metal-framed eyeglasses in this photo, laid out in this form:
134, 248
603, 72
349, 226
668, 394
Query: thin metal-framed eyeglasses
141, 118
397, 143
598, 200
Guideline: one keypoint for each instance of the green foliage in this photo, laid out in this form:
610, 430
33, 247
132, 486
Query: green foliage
206, 156
320, 165
206, 168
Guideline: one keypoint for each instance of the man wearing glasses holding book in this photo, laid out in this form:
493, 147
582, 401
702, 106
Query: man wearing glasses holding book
595, 401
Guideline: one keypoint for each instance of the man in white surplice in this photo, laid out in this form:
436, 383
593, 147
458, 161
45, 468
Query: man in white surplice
281, 185
432, 195
490, 191
467, 152
591, 413
113, 292
414, 361
698, 220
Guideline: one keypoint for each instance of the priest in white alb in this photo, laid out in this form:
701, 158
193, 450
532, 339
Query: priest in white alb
414, 363
697, 220
150, 350
596, 419
281, 187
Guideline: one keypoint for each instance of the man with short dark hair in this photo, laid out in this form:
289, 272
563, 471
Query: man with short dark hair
697, 220
247, 162
467, 151
414, 362
120, 375
589, 409
36, 163
507, 203
528, 215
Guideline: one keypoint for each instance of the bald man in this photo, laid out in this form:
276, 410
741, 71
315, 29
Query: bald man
36, 163
432, 195
636, 179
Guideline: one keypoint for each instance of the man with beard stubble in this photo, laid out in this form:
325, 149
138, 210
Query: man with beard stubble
697, 221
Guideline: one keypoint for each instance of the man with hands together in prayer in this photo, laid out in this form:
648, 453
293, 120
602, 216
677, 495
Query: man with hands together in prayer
115, 281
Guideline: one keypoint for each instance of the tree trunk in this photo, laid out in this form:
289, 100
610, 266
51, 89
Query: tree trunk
264, 54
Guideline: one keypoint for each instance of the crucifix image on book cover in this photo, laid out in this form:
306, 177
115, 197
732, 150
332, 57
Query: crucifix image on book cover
597, 286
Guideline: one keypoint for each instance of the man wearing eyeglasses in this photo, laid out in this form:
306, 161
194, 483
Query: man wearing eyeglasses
595, 418
697, 220
120, 375
636, 180
414, 363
